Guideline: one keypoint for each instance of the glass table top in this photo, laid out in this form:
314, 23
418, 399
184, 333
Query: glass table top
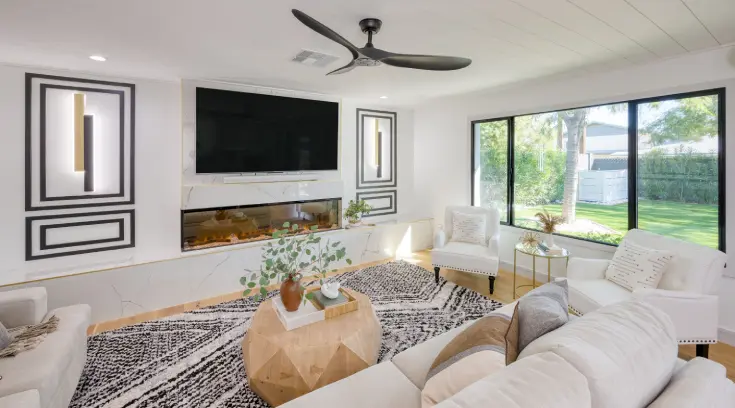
537, 251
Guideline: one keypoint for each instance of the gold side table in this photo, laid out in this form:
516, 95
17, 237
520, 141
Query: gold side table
534, 252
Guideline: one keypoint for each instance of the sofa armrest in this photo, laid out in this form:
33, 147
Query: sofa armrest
695, 316
587, 268
21, 307
494, 243
440, 238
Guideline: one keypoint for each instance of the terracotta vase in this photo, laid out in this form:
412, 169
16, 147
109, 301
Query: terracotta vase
291, 294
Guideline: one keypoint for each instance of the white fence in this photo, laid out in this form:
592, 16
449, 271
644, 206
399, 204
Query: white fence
603, 186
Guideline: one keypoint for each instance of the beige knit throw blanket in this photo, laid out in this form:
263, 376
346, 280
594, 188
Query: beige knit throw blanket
28, 337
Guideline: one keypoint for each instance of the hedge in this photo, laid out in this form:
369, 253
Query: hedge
686, 177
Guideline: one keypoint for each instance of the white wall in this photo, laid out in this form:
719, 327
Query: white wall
157, 180
442, 136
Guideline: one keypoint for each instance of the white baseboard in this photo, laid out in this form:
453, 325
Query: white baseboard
726, 336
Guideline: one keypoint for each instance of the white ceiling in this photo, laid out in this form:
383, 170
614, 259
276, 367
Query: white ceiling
252, 41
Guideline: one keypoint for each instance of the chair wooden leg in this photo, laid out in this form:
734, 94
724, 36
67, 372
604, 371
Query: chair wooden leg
492, 284
703, 350
436, 274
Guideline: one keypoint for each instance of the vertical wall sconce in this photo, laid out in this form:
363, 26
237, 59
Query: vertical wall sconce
378, 150
83, 142
78, 132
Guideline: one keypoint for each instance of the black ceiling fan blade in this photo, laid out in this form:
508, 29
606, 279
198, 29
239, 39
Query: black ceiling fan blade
325, 31
428, 62
347, 68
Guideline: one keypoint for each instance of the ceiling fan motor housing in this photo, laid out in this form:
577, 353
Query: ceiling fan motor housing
370, 25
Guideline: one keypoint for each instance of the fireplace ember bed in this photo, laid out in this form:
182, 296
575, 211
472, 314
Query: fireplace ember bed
217, 227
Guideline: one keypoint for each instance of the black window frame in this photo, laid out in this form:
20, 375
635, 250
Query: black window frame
632, 105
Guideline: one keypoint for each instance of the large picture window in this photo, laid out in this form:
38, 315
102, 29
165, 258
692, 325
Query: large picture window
656, 164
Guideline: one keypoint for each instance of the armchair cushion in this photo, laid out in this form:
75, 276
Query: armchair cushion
586, 268
22, 307
586, 295
467, 257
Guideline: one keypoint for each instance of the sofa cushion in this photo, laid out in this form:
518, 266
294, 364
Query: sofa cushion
638, 267
45, 368
25, 399
542, 380
627, 352
381, 385
416, 361
465, 256
586, 295
477, 351
700, 383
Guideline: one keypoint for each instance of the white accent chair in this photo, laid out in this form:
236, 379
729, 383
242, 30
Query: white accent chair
687, 292
46, 376
462, 256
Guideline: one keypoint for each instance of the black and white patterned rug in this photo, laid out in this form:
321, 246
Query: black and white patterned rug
194, 360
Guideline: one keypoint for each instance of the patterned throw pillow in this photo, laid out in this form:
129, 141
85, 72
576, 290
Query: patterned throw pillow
637, 267
474, 354
468, 228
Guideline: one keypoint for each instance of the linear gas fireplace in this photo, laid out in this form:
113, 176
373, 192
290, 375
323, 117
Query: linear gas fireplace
216, 227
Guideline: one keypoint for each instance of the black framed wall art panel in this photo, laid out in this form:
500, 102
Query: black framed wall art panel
376, 149
51, 236
80, 143
384, 202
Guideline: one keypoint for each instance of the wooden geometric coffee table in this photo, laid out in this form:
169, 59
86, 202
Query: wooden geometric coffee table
282, 365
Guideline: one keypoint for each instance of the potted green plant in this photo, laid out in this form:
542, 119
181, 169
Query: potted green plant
355, 210
287, 258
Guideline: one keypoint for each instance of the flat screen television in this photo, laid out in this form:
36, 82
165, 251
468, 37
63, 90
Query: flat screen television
239, 132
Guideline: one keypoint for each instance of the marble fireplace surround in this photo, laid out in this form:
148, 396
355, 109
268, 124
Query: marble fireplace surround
130, 290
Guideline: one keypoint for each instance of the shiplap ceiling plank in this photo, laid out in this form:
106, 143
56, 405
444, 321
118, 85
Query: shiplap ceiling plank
678, 21
527, 20
718, 16
582, 22
626, 19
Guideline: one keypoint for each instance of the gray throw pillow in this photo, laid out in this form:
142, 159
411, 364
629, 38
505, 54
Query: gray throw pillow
5, 337
542, 310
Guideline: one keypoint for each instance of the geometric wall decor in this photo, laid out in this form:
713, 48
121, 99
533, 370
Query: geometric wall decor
80, 143
383, 202
376, 149
50, 236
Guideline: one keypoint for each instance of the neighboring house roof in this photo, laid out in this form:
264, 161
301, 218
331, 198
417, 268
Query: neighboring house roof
605, 129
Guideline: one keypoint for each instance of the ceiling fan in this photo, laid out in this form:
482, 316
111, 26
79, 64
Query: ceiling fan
369, 56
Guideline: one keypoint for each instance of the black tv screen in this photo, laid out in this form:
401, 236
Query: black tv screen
240, 132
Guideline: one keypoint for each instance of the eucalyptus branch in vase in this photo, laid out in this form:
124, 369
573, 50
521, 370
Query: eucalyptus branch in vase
286, 259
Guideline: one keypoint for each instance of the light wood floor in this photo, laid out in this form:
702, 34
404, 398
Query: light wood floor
503, 293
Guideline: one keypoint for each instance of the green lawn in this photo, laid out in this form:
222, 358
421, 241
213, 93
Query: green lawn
691, 222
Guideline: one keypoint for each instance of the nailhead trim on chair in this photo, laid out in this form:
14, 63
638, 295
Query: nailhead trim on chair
687, 341
466, 270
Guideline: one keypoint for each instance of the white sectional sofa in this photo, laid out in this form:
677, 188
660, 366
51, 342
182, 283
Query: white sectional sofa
47, 376
621, 356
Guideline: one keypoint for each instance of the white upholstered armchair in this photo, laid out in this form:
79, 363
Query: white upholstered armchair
466, 257
687, 291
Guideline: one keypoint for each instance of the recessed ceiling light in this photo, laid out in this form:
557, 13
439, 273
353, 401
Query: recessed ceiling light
98, 58
383, 97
